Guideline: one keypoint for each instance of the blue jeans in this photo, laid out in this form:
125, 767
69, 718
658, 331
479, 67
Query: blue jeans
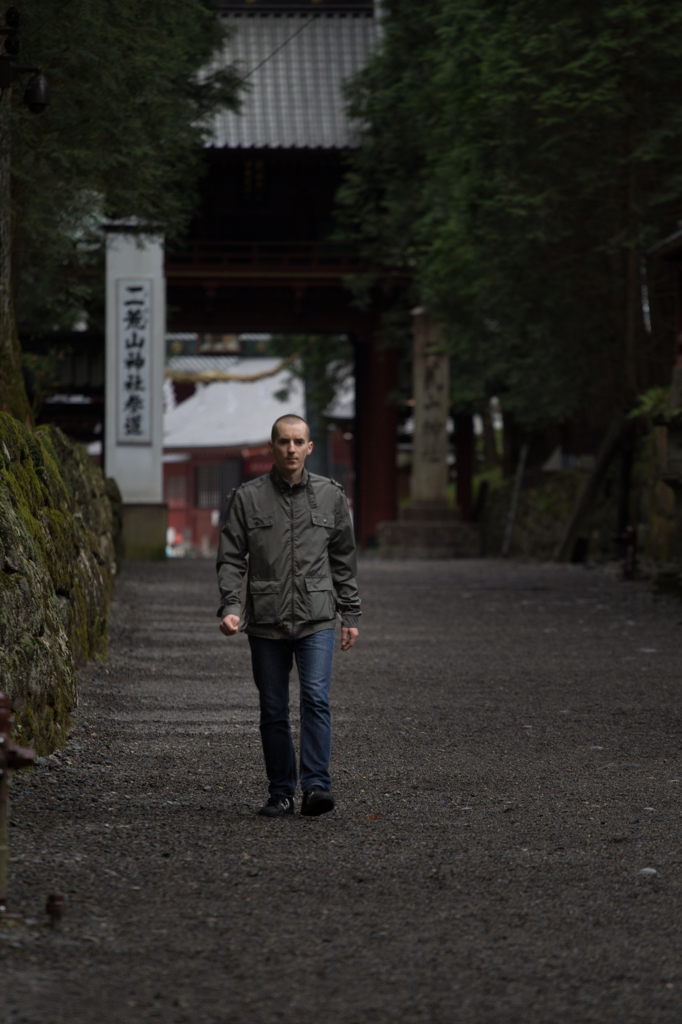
272, 661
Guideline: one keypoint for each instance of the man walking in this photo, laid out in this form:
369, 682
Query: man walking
295, 529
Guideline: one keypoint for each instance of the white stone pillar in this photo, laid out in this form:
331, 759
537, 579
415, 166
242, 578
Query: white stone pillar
135, 360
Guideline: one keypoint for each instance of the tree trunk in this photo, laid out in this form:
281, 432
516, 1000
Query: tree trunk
465, 453
512, 436
633, 298
12, 391
489, 444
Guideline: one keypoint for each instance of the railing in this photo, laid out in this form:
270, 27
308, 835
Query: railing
319, 259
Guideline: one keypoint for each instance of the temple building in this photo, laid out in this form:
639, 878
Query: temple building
261, 255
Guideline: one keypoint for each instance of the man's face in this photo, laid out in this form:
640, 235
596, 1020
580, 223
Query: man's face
291, 448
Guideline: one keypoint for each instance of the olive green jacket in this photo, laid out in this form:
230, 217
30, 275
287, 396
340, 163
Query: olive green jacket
301, 557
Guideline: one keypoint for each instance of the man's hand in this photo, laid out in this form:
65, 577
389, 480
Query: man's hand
230, 625
349, 635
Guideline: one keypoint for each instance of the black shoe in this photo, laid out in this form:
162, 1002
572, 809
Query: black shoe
317, 801
278, 806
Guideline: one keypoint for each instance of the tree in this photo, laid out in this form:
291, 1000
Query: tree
517, 157
131, 102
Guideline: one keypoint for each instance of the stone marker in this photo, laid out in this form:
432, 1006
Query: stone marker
429, 484
135, 358
429, 528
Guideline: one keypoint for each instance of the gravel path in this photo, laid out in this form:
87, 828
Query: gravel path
507, 761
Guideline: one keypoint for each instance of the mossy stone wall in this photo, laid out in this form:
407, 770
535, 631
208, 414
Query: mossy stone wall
57, 569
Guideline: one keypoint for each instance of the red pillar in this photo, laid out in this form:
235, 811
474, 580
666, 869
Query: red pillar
376, 426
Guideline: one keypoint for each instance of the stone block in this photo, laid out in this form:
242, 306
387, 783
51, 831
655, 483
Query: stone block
428, 512
429, 539
144, 531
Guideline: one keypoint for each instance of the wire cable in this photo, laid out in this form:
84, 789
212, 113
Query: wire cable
278, 48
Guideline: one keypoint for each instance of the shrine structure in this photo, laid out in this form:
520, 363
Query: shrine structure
261, 256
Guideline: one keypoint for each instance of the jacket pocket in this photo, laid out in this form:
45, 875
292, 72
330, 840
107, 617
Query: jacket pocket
321, 603
256, 522
323, 519
265, 601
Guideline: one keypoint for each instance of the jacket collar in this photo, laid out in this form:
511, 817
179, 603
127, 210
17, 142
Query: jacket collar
283, 485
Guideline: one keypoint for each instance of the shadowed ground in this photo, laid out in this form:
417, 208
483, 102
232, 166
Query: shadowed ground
507, 759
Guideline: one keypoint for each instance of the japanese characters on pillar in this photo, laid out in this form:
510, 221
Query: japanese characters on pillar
134, 334
432, 402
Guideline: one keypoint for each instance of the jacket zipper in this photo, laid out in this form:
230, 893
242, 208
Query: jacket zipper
293, 578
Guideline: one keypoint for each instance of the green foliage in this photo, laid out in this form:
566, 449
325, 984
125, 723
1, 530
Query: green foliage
41, 376
516, 157
122, 138
652, 403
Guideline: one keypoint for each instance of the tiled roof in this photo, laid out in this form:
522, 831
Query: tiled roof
227, 414
296, 66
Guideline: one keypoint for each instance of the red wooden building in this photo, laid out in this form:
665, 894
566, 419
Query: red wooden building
216, 437
195, 483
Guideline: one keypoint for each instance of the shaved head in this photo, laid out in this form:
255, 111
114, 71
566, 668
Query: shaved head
292, 419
